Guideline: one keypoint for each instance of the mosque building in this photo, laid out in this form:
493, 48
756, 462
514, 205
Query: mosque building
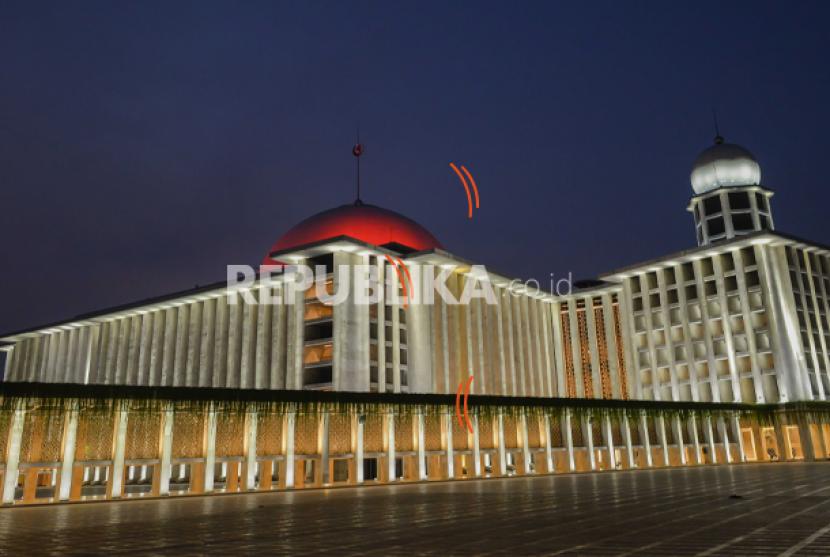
715, 355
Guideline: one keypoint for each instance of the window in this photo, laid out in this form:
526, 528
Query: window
761, 200
764, 222
738, 200
711, 205
742, 222
716, 226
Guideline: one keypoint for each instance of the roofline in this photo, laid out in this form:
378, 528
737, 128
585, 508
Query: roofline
771, 235
611, 278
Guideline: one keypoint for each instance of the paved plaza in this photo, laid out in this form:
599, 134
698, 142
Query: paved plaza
772, 509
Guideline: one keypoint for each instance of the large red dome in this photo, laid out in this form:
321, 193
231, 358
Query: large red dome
367, 223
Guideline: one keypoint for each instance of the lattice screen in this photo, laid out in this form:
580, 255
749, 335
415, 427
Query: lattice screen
340, 434
94, 436
432, 432
373, 433
143, 429
567, 351
230, 434
602, 351
511, 436
576, 433
404, 432
556, 433
596, 432
534, 439
188, 434
635, 433
42, 437
623, 373
5, 424
306, 433
269, 434
485, 433
585, 354
459, 434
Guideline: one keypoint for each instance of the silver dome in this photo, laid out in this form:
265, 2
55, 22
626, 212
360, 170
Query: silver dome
724, 165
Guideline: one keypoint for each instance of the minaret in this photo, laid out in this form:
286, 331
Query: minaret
729, 200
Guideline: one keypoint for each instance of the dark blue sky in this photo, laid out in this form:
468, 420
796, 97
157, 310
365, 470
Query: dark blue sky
144, 146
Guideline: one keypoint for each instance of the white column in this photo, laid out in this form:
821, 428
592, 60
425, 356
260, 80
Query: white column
390, 445
476, 448
11, 474
807, 447
323, 440
660, 423
710, 439
609, 442
210, 448
358, 448
739, 439
629, 448
525, 445
678, 437
70, 432
724, 435
250, 448
502, 452
290, 420
548, 447
588, 437
567, 433
118, 452
422, 456
694, 437
644, 439
166, 450
450, 453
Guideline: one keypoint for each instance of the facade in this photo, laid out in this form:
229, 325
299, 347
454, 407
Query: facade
714, 355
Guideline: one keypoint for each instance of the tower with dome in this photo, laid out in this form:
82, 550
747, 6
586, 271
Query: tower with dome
729, 199
713, 355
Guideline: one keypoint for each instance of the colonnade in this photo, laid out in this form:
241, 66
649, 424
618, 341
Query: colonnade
73, 453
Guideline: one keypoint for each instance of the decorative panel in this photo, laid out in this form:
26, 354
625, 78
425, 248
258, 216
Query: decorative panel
511, 434
652, 431
534, 439
404, 424
635, 433
94, 435
269, 434
188, 434
485, 433
556, 433
373, 433
230, 434
567, 351
585, 354
602, 351
5, 424
143, 430
616, 433
42, 436
340, 434
623, 373
596, 432
576, 432
432, 432
459, 434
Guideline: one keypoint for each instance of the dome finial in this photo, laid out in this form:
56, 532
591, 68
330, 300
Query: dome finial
718, 136
357, 150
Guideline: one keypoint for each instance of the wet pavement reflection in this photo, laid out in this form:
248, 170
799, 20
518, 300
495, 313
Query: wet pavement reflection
764, 509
